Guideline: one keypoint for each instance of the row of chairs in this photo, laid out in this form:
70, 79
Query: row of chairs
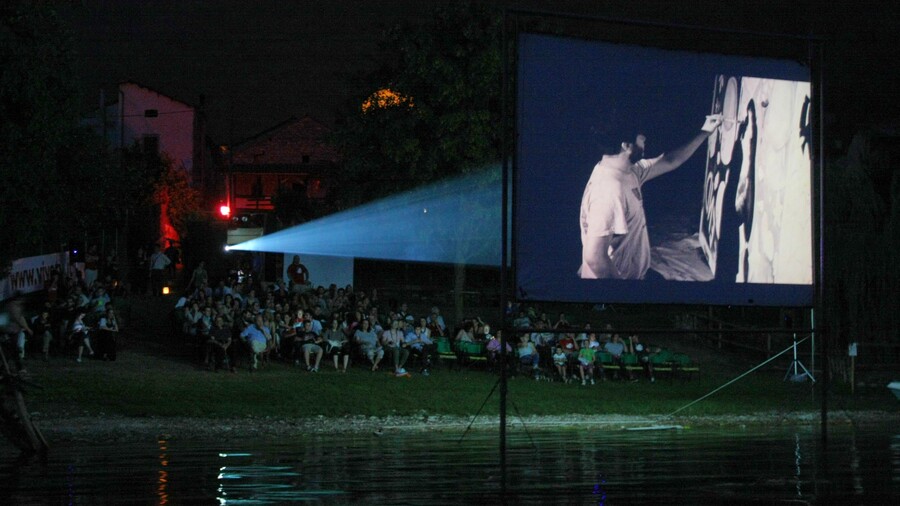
664, 361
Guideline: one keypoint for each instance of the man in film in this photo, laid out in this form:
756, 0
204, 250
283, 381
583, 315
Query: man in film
614, 237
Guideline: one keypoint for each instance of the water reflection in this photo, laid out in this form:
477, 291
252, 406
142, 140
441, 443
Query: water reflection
583, 466
163, 479
242, 481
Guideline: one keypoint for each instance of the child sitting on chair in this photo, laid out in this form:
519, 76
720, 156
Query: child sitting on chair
559, 361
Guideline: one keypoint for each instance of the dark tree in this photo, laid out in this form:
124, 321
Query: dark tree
37, 94
431, 112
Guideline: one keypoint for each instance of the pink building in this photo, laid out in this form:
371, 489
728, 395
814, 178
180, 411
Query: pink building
162, 125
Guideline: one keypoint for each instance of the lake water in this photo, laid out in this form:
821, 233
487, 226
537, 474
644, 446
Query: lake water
776, 465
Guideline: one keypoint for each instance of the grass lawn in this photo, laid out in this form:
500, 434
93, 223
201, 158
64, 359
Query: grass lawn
156, 376
146, 384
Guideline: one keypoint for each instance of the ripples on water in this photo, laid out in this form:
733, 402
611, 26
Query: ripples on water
700, 466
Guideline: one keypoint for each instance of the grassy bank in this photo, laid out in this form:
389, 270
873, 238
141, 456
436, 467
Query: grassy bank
156, 375
145, 382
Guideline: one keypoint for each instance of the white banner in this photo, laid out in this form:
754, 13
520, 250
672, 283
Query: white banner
30, 274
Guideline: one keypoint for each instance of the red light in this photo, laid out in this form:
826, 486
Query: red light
225, 211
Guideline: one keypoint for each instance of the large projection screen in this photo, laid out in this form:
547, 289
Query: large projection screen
696, 218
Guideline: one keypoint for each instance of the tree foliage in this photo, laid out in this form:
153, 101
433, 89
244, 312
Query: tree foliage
173, 193
60, 180
862, 249
431, 112
37, 93
436, 106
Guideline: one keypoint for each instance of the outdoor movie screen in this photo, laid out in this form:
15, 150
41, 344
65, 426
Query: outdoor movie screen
655, 176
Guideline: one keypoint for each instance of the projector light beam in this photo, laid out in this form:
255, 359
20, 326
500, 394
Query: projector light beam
455, 221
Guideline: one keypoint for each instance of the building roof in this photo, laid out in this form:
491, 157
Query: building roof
148, 88
302, 141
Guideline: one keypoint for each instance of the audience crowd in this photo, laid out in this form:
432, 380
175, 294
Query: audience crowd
240, 322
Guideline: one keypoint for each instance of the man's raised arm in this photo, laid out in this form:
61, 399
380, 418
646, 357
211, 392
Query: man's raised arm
673, 159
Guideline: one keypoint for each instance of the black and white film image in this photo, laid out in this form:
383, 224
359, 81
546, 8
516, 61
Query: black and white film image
755, 225
723, 220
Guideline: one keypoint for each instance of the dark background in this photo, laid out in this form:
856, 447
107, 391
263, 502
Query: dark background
258, 63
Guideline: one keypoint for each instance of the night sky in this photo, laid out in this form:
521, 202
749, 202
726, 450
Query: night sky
258, 63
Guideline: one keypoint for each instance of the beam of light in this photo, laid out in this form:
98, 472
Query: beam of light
453, 221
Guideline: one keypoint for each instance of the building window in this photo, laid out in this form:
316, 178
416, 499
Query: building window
151, 113
305, 158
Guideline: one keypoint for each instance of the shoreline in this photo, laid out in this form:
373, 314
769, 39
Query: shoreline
123, 429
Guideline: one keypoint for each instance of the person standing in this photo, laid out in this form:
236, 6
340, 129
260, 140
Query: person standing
138, 276
199, 277
91, 266
159, 262
13, 337
298, 275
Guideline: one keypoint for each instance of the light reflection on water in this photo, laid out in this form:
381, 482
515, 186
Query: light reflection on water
710, 466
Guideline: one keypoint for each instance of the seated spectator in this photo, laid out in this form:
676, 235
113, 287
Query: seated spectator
251, 299
367, 340
218, 346
108, 333
287, 334
310, 343
586, 358
493, 350
644, 354
569, 347
99, 301
561, 362
204, 324
583, 336
420, 346
616, 348
316, 319
375, 320
466, 334
528, 354
392, 342
436, 323
403, 312
522, 321
202, 292
82, 301
274, 344
257, 337
543, 341
562, 323
192, 316
336, 344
